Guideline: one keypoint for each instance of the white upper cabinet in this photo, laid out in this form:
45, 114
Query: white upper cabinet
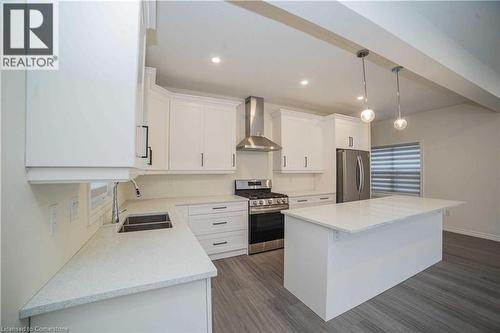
301, 138
157, 106
188, 133
186, 136
352, 133
202, 136
220, 137
85, 120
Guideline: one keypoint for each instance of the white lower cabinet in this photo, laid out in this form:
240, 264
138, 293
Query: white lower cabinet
311, 200
216, 223
185, 307
221, 229
222, 245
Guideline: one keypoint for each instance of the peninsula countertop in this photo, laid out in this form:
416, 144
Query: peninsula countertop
358, 216
115, 264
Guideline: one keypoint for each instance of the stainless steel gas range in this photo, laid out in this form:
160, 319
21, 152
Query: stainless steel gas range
266, 224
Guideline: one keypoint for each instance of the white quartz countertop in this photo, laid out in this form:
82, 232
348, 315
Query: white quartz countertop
294, 194
115, 264
358, 216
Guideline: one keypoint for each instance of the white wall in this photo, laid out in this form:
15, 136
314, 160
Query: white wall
30, 256
249, 165
461, 160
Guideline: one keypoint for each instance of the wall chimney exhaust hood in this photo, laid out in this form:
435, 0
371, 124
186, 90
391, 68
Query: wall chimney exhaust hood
254, 128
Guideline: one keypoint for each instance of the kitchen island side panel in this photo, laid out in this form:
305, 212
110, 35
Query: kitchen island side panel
306, 262
362, 266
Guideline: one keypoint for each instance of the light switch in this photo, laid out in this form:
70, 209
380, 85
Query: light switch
52, 219
73, 209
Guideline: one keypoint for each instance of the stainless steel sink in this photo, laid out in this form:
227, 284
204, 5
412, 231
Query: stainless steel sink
146, 222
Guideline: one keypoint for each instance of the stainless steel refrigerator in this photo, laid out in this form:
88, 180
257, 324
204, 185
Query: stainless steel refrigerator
353, 175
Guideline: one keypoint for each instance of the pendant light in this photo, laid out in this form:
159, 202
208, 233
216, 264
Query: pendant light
400, 123
367, 115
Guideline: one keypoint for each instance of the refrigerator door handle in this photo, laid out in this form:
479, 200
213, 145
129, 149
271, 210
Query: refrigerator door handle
358, 175
360, 170
362, 175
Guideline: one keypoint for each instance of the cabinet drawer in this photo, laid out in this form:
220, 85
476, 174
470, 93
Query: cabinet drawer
223, 242
313, 200
218, 208
216, 223
327, 198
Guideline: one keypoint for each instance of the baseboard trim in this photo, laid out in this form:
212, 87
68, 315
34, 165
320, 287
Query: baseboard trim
473, 233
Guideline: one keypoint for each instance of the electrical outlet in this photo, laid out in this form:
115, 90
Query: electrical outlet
73, 209
52, 219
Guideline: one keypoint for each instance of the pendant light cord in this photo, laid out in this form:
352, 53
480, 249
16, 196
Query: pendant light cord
364, 82
397, 94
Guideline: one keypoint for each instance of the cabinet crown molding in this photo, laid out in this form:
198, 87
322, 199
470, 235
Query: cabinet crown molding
163, 92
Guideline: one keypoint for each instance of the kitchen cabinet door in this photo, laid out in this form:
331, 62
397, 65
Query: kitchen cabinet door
313, 145
293, 143
344, 133
352, 133
363, 137
219, 138
158, 108
186, 136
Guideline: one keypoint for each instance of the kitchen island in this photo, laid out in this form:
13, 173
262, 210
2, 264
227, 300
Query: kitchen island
341, 255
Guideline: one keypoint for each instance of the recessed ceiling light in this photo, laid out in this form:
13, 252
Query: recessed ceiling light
216, 60
304, 82
360, 98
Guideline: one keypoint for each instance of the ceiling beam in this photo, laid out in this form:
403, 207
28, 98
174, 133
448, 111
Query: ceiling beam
353, 27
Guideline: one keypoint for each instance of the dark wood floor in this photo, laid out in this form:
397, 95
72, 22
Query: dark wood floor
459, 294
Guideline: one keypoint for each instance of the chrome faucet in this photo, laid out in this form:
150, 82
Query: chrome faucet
115, 213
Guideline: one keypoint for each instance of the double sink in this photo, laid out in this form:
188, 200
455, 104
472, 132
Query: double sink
146, 222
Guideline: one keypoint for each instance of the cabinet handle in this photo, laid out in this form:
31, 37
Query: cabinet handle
219, 223
202, 159
220, 243
147, 142
234, 161
220, 207
305, 161
150, 152
284, 161
302, 200
325, 198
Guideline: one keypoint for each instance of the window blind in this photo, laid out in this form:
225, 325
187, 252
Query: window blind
396, 169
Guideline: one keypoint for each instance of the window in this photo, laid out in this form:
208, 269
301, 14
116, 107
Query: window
396, 169
99, 201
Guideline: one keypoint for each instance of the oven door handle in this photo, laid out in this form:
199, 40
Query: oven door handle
264, 210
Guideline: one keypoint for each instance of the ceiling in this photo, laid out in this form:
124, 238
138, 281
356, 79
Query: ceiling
482, 19
265, 58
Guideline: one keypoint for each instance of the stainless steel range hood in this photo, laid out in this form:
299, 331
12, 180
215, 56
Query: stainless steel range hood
254, 128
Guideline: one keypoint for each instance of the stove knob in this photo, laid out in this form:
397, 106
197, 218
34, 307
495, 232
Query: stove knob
280, 201
261, 202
